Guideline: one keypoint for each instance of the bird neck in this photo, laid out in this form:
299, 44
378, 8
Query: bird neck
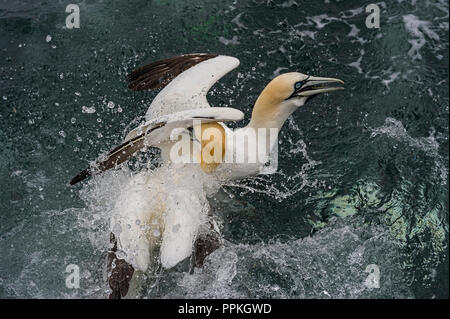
268, 112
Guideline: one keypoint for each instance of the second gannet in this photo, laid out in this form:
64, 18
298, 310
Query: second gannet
160, 213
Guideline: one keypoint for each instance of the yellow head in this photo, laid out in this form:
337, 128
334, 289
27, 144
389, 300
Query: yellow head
284, 94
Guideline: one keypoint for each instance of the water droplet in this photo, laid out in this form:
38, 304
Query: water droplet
121, 254
88, 110
117, 229
156, 233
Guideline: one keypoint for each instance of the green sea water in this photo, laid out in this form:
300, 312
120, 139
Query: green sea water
363, 173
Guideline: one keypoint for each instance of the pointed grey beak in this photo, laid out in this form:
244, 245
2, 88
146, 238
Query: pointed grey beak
316, 85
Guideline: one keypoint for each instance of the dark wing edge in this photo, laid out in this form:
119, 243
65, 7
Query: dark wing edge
121, 153
117, 156
158, 74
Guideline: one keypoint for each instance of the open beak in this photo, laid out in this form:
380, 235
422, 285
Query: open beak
315, 85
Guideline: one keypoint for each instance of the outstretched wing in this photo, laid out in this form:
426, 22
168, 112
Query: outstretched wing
185, 79
154, 132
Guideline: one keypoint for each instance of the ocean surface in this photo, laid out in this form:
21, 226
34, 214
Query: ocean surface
363, 173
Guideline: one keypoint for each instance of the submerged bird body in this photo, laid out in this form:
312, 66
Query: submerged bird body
158, 217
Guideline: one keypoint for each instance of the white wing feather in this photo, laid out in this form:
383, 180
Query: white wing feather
183, 119
188, 90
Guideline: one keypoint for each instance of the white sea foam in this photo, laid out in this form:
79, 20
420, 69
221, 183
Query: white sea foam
357, 63
420, 30
233, 41
329, 264
395, 129
392, 78
238, 22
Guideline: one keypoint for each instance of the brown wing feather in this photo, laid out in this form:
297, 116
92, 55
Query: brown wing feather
158, 74
117, 156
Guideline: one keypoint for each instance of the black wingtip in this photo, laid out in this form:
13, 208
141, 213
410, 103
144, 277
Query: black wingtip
81, 176
158, 74
117, 156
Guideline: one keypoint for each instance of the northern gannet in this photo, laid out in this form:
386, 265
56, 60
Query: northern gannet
160, 213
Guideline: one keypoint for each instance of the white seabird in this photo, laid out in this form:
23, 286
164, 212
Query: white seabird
159, 214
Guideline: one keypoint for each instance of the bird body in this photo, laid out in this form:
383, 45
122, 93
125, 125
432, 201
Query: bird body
158, 215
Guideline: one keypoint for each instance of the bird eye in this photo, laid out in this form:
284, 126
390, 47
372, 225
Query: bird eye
299, 84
